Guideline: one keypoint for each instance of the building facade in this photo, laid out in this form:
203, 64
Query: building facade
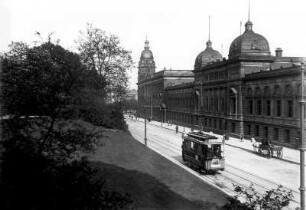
252, 93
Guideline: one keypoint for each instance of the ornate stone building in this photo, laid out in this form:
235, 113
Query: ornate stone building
152, 86
252, 93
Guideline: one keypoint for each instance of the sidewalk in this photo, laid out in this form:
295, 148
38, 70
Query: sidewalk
289, 155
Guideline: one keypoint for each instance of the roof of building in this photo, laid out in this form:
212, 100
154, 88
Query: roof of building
249, 44
207, 56
147, 53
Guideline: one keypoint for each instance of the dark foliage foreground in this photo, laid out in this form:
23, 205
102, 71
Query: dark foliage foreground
52, 173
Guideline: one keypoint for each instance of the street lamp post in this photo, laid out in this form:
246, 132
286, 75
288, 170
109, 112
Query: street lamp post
145, 134
303, 143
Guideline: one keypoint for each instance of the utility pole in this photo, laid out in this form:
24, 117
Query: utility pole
303, 143
145, 134
145, 127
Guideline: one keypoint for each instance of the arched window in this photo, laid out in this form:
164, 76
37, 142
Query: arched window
267, 103
277, 91
249, 92
249, 96
289, 100
277, 101
267, 92
233, 101
258, 96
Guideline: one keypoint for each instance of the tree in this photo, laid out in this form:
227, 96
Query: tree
40, 80
102, 52
44, 164
130, 104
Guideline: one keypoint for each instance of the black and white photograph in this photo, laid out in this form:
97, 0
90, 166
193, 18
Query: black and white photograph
152, 105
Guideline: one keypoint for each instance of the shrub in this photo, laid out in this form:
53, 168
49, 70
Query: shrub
274, 199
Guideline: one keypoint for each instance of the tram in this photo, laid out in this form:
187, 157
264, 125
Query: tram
203, 152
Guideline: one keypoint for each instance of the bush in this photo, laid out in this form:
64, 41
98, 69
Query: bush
98, 114
274, 199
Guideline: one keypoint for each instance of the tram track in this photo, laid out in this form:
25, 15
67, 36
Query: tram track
224, 179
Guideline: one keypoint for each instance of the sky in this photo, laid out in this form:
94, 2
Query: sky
176, 29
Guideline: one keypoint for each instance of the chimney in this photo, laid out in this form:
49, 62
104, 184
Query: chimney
278, 52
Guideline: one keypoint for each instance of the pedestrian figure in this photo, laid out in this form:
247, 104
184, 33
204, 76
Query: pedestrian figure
176, 129
226, 135
241, 138
253, 139
223, 139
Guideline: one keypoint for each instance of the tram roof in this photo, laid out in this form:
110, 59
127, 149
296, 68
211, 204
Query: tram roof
202, 137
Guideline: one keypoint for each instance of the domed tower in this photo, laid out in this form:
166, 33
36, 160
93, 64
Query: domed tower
207, 56
146, 65
249, 44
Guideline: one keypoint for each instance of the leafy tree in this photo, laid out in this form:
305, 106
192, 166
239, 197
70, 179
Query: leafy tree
44, 165
102, 52
274, 199
40, 80
130, 104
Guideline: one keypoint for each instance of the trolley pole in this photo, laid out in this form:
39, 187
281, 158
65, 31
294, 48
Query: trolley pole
303, 143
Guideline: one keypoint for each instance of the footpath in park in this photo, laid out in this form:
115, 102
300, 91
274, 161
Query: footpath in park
289, 155
152, 181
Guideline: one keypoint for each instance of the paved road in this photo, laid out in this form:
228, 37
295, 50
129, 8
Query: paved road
242, 167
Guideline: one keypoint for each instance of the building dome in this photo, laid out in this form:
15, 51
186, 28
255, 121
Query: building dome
207, 56
249, 44
147, 53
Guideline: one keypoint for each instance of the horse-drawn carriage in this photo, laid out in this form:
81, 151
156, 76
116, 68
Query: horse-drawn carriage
266, 149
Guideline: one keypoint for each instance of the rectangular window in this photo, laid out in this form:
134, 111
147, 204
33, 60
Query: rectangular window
266, 132
233, 105
248, 129
268, 107
217, 104
220, 124
256, 130
209, 122
222, 104
276, 134
233, 128
278, 108
215, 123
250, 106
259, 107
298, 137
287, 136
290, 108
192, 145
211, 105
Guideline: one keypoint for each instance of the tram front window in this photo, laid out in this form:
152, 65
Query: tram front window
216, 150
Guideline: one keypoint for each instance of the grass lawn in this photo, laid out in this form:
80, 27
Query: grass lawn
153, 181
